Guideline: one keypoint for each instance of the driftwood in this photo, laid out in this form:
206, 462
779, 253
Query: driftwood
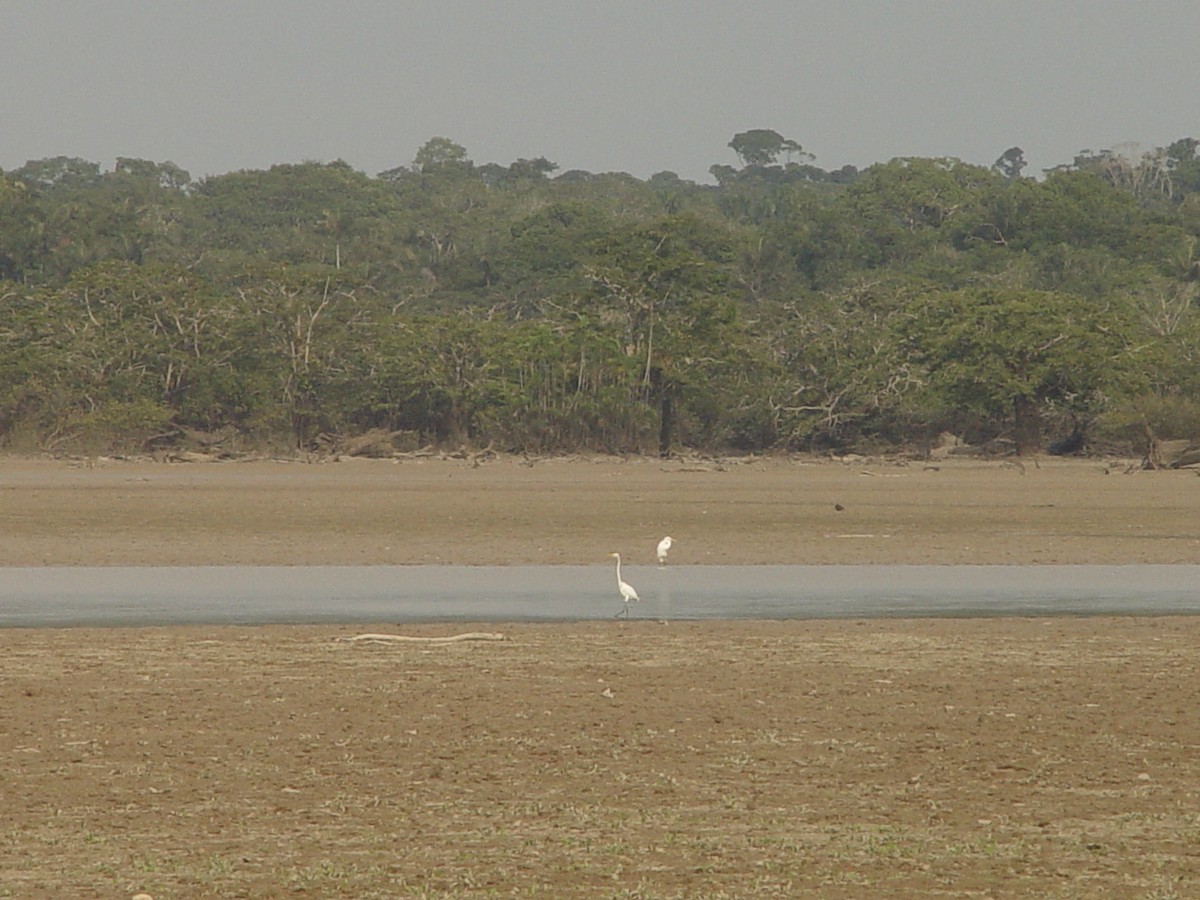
403, 638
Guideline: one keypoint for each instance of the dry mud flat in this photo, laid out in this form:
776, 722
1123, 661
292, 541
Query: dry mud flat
990, 758
576, 511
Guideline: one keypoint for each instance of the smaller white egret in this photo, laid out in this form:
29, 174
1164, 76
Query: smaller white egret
663, 546
626, 589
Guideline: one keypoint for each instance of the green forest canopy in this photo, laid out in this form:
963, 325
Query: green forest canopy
783, 307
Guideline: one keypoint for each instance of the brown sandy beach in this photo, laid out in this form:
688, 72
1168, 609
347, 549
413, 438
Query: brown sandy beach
990, 758
371, 512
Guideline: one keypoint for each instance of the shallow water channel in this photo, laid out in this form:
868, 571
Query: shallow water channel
78, 596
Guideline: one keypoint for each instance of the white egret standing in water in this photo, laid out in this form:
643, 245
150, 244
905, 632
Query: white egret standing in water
663, 546
626, 589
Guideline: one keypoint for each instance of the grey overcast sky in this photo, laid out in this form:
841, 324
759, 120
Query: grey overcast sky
601, 85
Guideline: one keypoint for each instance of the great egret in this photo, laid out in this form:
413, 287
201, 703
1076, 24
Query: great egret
663, 546
626, 589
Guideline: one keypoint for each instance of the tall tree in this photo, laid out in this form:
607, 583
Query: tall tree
664, 286
1008, 354
763, 146
441, 154
1011, 163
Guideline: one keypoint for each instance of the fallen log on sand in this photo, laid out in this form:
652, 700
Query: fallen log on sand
403, 638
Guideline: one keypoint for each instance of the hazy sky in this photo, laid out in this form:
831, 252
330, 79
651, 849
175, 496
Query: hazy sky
601, 85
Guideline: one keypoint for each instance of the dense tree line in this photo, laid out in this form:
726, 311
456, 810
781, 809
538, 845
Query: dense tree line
786, 306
